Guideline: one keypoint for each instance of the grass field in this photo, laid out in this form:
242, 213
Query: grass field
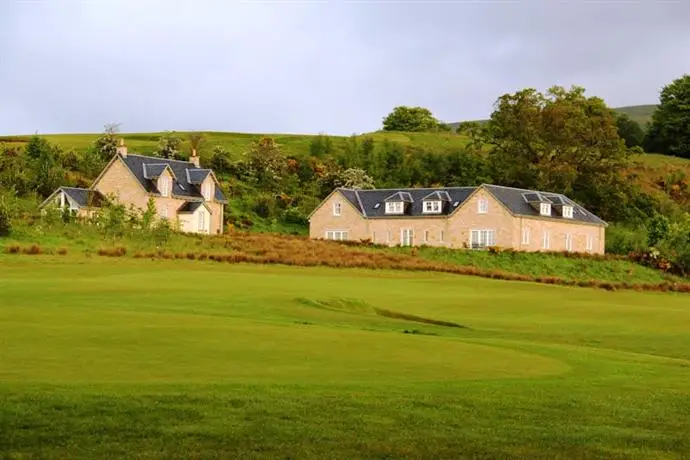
178, 359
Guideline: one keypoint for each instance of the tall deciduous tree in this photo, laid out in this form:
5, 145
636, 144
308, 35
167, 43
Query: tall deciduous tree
265, 164
560, 141
410, 119
169, 145
669, 131
629, 130
106, 144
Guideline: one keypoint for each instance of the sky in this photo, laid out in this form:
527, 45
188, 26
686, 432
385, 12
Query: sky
335, 67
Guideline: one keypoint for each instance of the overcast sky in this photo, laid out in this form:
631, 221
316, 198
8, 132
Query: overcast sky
318, 66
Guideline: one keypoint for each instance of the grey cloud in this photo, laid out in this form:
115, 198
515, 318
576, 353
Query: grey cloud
332, 67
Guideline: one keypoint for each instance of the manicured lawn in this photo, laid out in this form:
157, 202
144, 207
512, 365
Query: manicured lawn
133, 358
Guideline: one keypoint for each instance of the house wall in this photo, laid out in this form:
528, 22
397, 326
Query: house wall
190, 222
467, 218
350, 219
557, 233
119, 181
456, 228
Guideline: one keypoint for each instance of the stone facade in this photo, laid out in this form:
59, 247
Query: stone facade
524, 233
117, 180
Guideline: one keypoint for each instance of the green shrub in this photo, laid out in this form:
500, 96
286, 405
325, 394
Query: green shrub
624, 240
5, 218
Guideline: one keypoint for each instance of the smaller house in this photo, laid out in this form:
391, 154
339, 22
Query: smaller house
182, 191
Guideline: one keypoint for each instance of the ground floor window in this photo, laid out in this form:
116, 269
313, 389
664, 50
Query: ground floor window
426, 236
482, 238
525, 236
546, 244
568, 242
338, 235
590, 243
440, 237
406, 237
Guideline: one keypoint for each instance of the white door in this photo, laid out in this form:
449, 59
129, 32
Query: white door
406, 237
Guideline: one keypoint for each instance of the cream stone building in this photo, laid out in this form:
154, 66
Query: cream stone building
459, 217
181, 190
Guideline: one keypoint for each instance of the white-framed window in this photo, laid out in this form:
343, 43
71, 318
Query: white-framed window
482, 238
426, 236
394, 207
441, 237
164, 185
545, 209
482, 206
432, 207
546, 243
202, 221
590, 243
206, 191
525, 235
406, 237
164, 212
568, 242
568, 212
337, 235
337, 208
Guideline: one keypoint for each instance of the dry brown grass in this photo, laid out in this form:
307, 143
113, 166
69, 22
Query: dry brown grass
241, 247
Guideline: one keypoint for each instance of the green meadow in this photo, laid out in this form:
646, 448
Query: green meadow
136, 358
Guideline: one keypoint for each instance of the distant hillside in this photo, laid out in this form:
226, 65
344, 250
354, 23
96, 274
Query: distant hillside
640, 113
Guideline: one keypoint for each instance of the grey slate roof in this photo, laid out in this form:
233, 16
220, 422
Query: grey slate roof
371, 203
83, 197
197, 176
153, 170
189, 207
182, 187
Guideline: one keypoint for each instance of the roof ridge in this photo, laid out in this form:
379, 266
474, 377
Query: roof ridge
158, 158
408, 189
359, 200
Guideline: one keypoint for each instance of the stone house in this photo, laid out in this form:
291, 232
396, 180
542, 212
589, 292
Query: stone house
181, 190
459, 217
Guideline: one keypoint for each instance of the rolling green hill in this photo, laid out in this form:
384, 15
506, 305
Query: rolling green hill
640, 113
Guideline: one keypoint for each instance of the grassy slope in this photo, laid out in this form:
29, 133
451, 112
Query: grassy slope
128, 358
84, 240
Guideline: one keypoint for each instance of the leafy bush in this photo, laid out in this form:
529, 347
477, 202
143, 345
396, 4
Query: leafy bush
5, 218
624, 240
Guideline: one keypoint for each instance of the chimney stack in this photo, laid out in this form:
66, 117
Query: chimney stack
194, 158
122, 148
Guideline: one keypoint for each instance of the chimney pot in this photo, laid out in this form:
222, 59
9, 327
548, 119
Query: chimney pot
122, 148
194, 158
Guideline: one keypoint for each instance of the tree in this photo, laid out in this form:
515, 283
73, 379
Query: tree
196, 141
36, 146
410, 119
669, 132
106, 144
169, 145
47, 171
220, 162
629, 130
561, 141
265, 164
355, 178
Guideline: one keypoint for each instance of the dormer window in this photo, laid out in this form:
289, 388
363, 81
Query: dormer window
164, 185
568, 212
432, 207
206, 191
394, 207
545, 209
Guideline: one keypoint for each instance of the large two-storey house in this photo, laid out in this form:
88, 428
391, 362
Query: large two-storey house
182, 191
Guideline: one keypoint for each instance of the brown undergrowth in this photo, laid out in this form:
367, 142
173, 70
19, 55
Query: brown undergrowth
240, 247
